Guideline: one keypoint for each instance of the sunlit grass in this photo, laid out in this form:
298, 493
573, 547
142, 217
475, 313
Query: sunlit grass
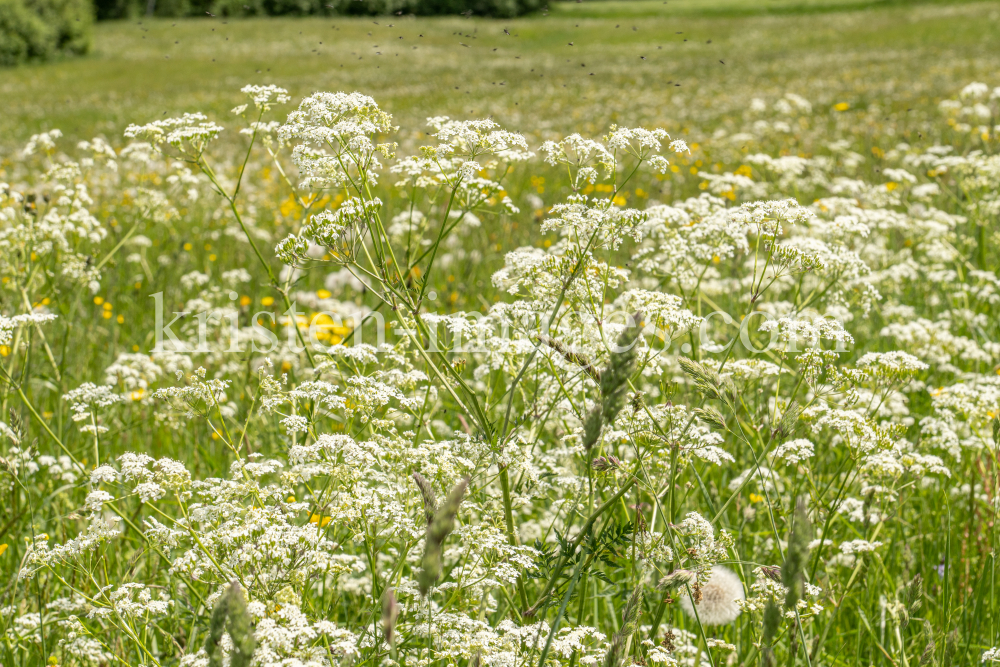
142, 70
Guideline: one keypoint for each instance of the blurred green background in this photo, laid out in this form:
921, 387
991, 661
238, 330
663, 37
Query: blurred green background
33, 30
578, 65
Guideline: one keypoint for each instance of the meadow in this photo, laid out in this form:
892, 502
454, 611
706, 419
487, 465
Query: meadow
901, 57
626, 333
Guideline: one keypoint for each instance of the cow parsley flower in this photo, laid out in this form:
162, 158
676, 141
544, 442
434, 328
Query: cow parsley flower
858, 546
795, 451
264, 96
191, 133
891, 366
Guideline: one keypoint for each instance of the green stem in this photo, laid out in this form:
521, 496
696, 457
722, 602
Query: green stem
576, 543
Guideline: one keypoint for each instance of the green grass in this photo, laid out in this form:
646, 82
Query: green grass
142, 70
724, 8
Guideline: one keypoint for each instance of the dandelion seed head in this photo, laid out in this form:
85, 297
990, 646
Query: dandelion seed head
720, 596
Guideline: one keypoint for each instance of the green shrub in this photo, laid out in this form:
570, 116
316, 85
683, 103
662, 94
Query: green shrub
23, 34
497, 8
72, 21
105, 10
39, 29
112, 9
